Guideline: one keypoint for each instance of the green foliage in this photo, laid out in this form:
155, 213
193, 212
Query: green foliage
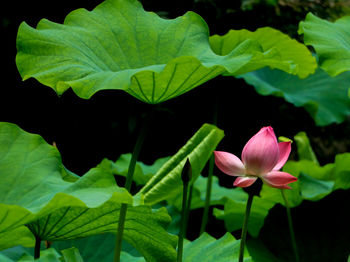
207, 249
72, 255
142, 173
167, 183
325, 98
304, 148
19, 254
277, 51
120, 46
34, 194
233, 214
330, 40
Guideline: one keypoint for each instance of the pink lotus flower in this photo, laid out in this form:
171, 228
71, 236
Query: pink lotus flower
262, 157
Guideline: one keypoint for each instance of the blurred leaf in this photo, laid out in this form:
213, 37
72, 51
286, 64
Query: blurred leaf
120, 46
167, 182
312, 188
281, 51
99, 248
19, 254
324, 97
93, 248
330, 40
208, 249
219, 194
233, 214
72, 255
142, 173
259, 252
304, 148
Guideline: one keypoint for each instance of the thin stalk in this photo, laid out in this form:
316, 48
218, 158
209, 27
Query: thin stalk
245, 226
37, 248
188, 207
207, 195
210, 176
182, 224
291, 229
131, 169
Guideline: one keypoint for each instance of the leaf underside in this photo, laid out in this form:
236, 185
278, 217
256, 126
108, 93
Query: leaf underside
324, 97
167, 182
120, 46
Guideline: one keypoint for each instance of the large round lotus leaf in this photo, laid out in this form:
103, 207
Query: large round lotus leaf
324, 97
118, 45
33, 192
330, 40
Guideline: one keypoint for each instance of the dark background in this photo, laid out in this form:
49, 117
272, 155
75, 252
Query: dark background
86, 131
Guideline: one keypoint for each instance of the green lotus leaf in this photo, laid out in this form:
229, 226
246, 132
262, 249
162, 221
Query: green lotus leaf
233, 214
208, 249
101, 248
32, 184
93, 248
284, 53
120, 46
259, 252
167, 181
19, 254
325, 98
34, 194
142, 172
18, 236
330, 40
72, 255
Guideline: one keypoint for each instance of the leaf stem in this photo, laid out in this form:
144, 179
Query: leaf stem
37, 247
245, 226
182, 223
291, 229
131, 169
188, 207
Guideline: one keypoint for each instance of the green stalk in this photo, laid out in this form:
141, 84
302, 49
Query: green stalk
182, 224
245, 226
188, 207
207, 195
186, 177
291, 229
124, 207
37, 248
210, 176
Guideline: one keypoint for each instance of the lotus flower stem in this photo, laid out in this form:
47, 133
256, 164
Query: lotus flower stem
131, 169
37, 247
291, 229
210, 175
245, 226
186, 177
